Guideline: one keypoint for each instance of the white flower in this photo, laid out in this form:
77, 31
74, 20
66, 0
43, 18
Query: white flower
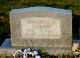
13, 54
25, 51
35, 53
25, 55
29, 50
30, 53
37, 56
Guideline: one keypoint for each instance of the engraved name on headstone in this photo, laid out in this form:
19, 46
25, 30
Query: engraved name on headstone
41, 28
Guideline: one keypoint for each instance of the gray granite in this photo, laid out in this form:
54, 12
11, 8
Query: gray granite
28, 25
41, 8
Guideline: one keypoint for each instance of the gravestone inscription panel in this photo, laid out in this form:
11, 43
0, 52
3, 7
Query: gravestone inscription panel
41, 27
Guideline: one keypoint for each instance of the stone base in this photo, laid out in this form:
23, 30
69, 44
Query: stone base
7, 48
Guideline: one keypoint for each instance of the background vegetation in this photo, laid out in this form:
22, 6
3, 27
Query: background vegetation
7, 5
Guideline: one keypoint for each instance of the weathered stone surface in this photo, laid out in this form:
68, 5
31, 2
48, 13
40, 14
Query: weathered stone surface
7, 51
41, 27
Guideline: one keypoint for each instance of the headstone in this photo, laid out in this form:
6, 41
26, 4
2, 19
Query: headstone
42, 27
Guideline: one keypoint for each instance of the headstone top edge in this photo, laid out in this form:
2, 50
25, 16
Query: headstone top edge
51, 9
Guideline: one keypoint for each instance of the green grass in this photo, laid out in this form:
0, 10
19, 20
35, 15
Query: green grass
4, 55
43, 55
60, 56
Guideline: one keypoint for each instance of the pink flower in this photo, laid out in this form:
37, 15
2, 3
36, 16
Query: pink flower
75, 46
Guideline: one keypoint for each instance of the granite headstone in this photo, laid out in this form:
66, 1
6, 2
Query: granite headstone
42, 27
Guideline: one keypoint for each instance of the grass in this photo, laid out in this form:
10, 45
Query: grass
5, 55
60, 56
43, 55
